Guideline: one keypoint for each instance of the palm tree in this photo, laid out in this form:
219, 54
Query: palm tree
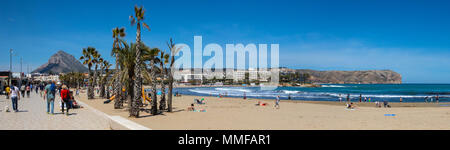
137, 19
104, 68
173, 51
152, 56
164, 59
127, 55
88, 60
96, 59
117, 35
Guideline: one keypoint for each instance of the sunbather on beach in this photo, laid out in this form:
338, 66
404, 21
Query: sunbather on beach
350, 106
261, 104
191, 108
386, 104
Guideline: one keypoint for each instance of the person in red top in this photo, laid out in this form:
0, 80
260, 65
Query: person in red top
65, 96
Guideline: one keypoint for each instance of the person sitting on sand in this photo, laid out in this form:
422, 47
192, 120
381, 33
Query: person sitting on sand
261, 104
350, 106
377, 104
177, 94
386, 104
191, 108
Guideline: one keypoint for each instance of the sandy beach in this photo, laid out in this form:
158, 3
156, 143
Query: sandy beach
239, 114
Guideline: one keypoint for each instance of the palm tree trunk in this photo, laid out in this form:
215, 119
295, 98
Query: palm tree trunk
117, 88
90, 90
162, 103
153, 83
94, 81
169, 95
137, 73
102, 90
130, 93
102, 85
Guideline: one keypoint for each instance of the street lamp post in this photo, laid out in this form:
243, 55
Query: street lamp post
10, 66
20, 71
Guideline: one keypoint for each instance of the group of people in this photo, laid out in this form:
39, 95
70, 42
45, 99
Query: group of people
430, 99
361, 98
67, 99
15, 93
48, 92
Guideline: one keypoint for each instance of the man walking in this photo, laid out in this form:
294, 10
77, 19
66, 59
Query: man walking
15, 96
49, 94
277, 102
41, 88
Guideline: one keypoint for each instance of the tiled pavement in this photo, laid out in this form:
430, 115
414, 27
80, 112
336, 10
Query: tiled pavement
32, 116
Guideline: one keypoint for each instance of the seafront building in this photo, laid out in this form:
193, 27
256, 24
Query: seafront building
186, 76
44, 77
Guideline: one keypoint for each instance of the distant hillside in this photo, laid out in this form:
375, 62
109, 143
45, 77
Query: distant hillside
61, 62
354, 77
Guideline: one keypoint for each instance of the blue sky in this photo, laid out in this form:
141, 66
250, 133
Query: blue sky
409, 37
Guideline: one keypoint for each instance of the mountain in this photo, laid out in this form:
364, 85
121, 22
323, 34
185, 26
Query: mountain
61, 62
354, 77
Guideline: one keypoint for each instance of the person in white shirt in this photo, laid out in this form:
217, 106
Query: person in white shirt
15, 96
277, 102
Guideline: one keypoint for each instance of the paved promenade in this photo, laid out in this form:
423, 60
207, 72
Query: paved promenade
32, 116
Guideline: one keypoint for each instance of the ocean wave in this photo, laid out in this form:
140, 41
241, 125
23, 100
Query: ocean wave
233, 89
340, 86
305, 95
290, 92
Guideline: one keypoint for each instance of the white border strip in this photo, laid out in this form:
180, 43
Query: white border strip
127, 124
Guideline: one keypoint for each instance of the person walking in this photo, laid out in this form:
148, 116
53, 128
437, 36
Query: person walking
277, 102
49, 94
7, 91
28, 89
41, 89
15, 96
36, 88
360, 98
65, 98
22, 90
348, 97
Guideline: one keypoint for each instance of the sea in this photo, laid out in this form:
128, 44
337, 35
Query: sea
333, 92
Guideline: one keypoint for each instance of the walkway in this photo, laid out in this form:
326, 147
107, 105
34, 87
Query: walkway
32, 116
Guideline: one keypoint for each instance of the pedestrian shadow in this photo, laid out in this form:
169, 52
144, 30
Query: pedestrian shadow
20, 111
71, 114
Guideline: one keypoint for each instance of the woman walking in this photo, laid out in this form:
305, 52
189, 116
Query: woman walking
65, 98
